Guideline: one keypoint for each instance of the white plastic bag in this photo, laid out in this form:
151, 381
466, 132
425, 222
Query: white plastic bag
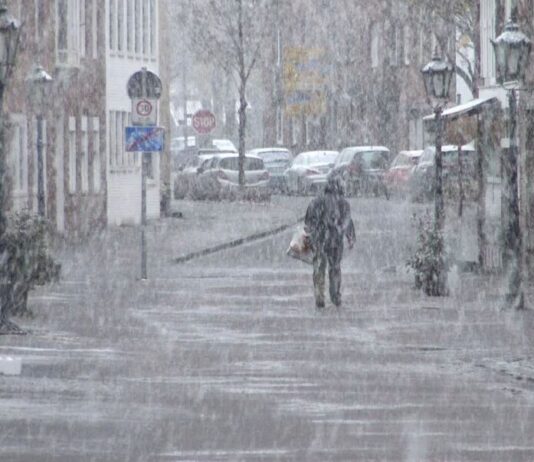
300, 246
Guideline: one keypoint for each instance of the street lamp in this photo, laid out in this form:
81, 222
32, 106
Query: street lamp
38, 83
512, 50
437, 76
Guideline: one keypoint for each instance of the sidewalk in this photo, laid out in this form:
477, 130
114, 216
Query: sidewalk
113, 363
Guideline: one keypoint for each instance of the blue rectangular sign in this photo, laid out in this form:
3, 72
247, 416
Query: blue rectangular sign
145, 139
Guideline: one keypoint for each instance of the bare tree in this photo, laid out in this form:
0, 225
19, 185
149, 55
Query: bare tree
460, 17
230, 34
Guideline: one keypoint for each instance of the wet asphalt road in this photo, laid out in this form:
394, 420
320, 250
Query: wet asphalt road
226, 359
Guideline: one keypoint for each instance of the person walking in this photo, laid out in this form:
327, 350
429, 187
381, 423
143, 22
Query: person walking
327, 222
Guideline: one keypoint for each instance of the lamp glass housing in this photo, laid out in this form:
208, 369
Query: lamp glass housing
512, 51
437, 76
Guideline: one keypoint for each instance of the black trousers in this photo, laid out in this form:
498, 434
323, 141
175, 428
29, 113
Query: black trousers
321, 258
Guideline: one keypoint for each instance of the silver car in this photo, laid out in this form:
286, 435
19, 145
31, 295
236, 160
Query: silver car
219, 179
309, 171
276, 161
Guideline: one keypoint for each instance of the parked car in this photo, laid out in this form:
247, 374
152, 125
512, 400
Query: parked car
186, 175
223, 145
276, 161
422, 179
309, 170
397, 177
178, 143
218, 178
363, 169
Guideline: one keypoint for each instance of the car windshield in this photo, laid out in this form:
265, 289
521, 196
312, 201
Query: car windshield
373, 159
224, 145
273, 156
232, 163
322, 157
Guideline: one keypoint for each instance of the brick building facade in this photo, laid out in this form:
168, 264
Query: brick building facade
90, 48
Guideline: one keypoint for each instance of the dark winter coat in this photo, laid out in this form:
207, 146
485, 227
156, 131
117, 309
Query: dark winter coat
328, 221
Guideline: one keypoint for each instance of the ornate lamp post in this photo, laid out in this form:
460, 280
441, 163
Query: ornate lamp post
512, 50
38, 83
437, 76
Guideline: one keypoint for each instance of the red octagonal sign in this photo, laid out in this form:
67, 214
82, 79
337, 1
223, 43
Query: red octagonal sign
203, 121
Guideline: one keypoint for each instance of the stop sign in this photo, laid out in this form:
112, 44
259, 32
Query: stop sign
203, 121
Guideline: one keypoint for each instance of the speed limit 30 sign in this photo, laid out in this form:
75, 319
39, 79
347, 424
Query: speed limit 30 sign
144, 111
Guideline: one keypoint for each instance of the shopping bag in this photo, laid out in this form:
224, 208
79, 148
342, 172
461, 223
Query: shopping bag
300, 246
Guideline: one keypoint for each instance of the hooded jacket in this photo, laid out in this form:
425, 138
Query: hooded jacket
328, 218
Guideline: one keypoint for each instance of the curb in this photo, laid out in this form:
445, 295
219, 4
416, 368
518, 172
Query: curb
235, 243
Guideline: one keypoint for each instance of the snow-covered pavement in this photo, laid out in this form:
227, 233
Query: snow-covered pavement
225, 357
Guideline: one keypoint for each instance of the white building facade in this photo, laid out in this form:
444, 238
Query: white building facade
132, 42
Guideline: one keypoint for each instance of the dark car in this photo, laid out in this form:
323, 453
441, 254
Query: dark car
397, 177
422, 179
363, 169
277, 161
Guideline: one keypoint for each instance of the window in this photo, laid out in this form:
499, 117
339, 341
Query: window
137, 26
294, 131
130, 27
118, 157
120, 25
394, 58
149, 164
153, 23
72, 154
487, 32
68, 32
407, 44
279, 125
19, 154
94, 26
415, 136
507, 9
36, 7
82, 29
375, 44
112, 24
95, 126
84, 156
146, 30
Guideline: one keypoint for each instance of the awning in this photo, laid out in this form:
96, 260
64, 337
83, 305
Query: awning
467, 109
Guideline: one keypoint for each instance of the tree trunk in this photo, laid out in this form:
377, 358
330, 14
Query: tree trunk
242, 128
242, 97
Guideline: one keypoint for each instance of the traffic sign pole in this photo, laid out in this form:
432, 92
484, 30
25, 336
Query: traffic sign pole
144, 89
143, 217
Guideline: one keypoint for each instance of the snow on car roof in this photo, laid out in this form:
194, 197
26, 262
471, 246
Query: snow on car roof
367, 148
227, 155
310, 153
269, 149
412, 153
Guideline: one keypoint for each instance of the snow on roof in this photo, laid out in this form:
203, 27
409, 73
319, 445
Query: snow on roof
472, 106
